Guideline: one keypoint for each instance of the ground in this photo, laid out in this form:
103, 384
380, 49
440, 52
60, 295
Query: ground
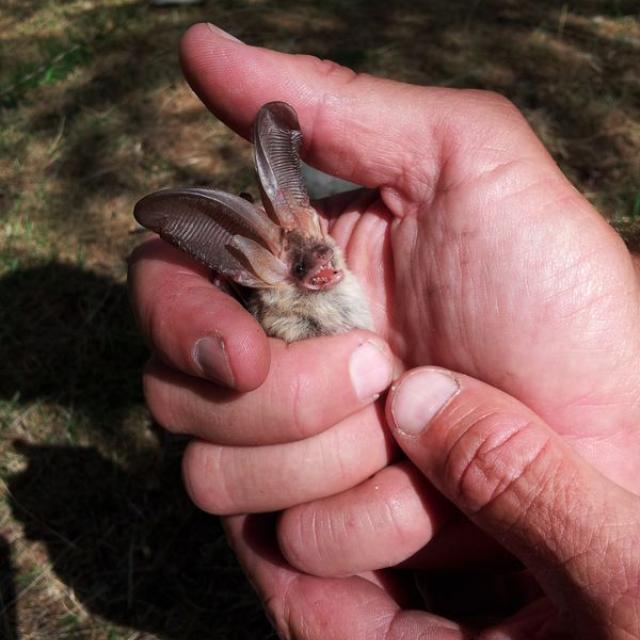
97, 539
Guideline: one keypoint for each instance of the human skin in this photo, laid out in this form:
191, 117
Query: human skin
477, 255
576, 532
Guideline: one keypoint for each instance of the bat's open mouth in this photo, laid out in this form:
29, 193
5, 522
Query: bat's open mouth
325, 275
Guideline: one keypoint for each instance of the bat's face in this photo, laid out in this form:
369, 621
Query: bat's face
314, 264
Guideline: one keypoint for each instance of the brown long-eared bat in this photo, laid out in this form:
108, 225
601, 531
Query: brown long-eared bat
292, 275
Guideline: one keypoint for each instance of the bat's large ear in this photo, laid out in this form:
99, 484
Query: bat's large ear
277, 139
224, 232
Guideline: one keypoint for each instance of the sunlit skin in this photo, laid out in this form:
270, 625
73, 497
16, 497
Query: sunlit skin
477, 255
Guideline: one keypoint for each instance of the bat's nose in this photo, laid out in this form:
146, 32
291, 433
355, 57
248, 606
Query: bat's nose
323, 253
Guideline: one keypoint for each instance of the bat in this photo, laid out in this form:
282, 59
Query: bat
287, 271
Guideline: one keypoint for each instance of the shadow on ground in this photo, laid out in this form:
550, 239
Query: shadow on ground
110, 509
135, 555
67, 336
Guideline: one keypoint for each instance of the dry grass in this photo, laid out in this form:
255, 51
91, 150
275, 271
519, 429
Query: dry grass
97, 539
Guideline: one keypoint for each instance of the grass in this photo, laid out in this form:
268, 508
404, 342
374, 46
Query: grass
97, 538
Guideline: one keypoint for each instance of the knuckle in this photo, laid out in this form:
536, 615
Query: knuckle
151, 318
617, 542
159, 400
141, 252
151, 247
407, 522
298, 411
497, 458
303, 415
298, 537
332, 70
153, 395
280, 607
160, 311
493, 102
497, 100
133, 261
140, 283
494, 114
204, 478
295, 410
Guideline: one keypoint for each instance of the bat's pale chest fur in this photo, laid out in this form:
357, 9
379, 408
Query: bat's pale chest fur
291, 315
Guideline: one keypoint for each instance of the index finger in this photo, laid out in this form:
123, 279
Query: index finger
192, 325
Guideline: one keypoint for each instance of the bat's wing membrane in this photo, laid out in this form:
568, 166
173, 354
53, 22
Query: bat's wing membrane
277, 139
222, 231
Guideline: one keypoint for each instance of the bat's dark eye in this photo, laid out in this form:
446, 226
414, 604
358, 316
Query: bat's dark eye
299, 269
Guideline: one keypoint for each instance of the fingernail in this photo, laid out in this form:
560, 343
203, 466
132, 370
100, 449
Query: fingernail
223, 34
419, 398
370, 370
211, 356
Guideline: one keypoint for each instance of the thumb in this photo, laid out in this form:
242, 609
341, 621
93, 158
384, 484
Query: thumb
518, 480
365, 129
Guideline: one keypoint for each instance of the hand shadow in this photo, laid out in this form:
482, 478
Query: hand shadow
133, 549
112, 515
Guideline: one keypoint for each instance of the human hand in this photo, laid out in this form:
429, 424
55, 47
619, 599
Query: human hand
272, 446
478, 255
576, 532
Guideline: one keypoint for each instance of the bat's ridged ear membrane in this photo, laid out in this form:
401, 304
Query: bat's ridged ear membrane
277, 139
263, 263
204, 224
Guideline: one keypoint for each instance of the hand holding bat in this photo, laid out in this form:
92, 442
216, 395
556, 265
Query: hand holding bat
488, 262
